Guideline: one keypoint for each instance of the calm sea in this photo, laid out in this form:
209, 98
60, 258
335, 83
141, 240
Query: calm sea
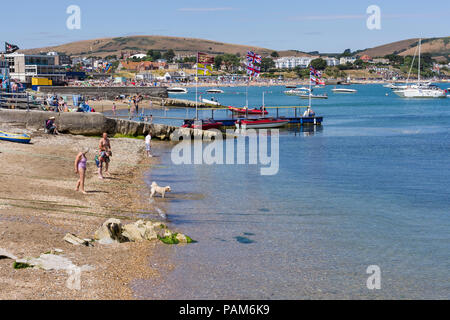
371, 187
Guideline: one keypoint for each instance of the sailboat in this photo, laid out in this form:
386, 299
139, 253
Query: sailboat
420, 90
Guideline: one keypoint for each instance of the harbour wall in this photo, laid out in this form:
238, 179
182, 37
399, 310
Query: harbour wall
94, 124
107, 92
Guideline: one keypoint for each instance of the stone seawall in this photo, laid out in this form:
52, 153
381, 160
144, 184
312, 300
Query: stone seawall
107, 92
94, 124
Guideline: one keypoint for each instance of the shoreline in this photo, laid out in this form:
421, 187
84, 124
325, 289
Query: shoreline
39, 206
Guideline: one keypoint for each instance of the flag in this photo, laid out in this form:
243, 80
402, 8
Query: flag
315, 73
253, 70
204, 69
204, 58
253, 57
10, 48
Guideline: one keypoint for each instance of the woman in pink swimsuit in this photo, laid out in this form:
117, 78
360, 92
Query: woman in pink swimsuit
80, 168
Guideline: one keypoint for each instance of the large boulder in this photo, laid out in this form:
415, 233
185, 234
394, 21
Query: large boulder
141, 230
111, 229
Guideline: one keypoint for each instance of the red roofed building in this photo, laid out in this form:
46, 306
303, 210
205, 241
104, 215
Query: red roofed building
366, 58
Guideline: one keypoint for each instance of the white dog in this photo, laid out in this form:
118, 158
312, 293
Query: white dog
161, 190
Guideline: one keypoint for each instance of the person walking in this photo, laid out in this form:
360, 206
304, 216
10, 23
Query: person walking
148, 141
80, 168
105, 154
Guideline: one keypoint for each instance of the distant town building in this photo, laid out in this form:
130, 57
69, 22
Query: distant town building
366, 58
141, 66
345, 60
61, 59
24, 67
331, 62
292, 62
380, 60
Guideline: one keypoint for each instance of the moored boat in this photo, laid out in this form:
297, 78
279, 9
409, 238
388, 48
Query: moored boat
214, 91
261, 123
13, 137
343, 90
206, 124
177, 90
318, 96
247, 111
212, 101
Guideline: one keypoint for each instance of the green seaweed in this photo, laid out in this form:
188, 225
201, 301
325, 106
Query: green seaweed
171, 240
20, 265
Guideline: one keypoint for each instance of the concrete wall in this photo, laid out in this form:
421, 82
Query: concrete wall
107, 92
95, 124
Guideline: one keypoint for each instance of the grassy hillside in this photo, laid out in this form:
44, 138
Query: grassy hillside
183, 46
437, 47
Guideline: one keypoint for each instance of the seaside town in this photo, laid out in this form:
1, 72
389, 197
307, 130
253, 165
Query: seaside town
170, 168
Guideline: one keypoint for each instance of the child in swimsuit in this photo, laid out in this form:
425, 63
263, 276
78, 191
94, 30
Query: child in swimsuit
80, 168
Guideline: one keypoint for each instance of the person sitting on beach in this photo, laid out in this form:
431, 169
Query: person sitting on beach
50, 126
80, 168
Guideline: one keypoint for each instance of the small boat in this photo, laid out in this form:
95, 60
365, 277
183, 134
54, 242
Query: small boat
297, 91
13, 137
343, 90
212, 101
247, 111
215, 91
206, 124
260, 123
318, 96
177, 90
291, 87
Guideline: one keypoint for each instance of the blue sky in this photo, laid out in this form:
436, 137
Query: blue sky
324, 25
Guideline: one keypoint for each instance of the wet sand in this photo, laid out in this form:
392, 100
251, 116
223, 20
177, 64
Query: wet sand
38, 206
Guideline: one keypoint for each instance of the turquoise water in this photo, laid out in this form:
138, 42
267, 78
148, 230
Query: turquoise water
369, 188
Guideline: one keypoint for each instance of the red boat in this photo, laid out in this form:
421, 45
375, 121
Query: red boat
205, 124
247, 111
261, 123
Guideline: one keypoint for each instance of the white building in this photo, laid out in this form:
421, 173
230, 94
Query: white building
139, 56
345, 60
23, 67
292, 62
331, 62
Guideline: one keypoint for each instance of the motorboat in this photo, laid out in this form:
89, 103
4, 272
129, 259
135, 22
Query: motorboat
317, 96
177, 90
248, 111
211, 101
298, 91
205, 124
214, 91
344, 90
264, 123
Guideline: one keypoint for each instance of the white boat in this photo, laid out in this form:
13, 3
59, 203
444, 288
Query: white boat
298, 91
261, 123
211, 101
318, 96
214, 91
420, 90
344, 90
177, 90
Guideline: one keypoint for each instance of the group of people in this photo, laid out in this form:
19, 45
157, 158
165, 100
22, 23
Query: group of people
102, 159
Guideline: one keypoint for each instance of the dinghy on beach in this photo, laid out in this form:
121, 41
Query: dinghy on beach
13, 137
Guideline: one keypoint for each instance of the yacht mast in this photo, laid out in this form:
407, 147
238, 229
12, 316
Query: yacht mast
420, 47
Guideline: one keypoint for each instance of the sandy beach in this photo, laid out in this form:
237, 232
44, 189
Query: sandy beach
39, 206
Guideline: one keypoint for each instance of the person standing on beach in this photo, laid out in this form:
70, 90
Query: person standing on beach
80, 168
114, 108
148, 141
105, 154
